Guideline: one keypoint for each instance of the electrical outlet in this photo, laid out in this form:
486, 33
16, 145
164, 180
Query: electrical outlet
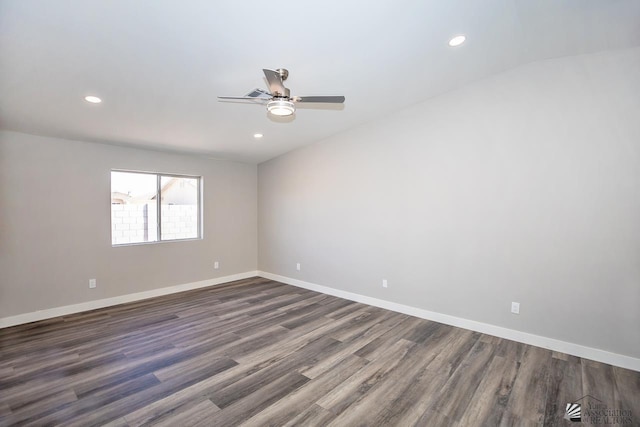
216, 265
384, 283
515, 307
298, 266
92, 283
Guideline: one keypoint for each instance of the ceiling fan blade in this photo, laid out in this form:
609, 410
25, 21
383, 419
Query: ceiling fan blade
333, 99
244, 98
259, 93
276, 87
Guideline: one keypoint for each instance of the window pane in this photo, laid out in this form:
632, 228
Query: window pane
179, 209
134, 213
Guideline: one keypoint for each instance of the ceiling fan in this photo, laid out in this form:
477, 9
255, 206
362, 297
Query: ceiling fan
278, 99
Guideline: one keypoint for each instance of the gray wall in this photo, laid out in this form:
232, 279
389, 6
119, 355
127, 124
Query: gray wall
523, 187
55, 229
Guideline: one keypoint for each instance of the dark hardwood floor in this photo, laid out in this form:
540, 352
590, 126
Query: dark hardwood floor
260, 353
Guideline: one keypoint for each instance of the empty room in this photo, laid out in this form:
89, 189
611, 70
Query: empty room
413, 213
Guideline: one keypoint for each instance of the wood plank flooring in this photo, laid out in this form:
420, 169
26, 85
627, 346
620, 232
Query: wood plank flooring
260, 353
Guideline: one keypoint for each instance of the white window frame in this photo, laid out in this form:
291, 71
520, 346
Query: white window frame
159, 176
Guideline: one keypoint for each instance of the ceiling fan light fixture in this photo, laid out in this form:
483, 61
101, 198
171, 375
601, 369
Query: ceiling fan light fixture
281, 107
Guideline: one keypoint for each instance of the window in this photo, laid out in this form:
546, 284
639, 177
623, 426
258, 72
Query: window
150, 207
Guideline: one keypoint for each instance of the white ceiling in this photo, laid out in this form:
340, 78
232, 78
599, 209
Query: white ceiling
158, 65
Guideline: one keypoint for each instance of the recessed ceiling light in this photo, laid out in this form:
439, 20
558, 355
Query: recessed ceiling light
457, 40
93, 99
257, 135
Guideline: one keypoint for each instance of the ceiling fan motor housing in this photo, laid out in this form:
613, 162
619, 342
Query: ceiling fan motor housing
285, 95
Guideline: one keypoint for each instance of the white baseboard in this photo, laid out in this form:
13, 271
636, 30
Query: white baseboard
108, 302
485, 328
